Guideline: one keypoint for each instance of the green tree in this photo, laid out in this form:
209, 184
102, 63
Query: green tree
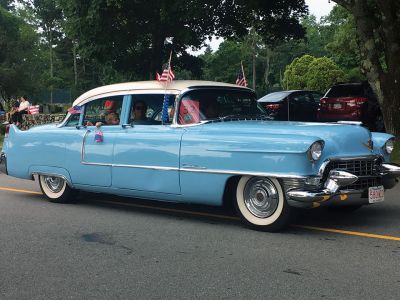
20, 60
308, 72
342, 43
224, 64
295, 73
378, 34
131, 34
323, 73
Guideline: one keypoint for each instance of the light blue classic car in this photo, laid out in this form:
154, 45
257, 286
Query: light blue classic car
201, 142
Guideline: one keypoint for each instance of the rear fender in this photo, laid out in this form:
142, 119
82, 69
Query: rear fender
52, 171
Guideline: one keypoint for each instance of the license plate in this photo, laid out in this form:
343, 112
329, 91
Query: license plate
376, 194
337, 106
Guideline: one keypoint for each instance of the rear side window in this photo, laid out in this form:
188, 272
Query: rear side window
105, 110
147, 109
351, 90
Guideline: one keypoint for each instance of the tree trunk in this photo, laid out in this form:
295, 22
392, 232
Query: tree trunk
373, 37
51, 64
267, 67
75, 64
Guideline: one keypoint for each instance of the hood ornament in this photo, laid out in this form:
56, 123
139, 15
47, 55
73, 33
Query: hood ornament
369, 145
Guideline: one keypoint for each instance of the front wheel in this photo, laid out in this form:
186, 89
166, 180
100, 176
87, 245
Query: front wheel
56, 189
261, 203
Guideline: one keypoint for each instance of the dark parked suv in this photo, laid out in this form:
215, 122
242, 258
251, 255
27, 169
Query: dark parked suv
303, 105
351, 102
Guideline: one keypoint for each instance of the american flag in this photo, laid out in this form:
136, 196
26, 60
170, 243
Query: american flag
33, 109
75, 110
241, 79
167, 74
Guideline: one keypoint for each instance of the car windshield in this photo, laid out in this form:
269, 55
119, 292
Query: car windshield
218, 105
349, 90
274, 97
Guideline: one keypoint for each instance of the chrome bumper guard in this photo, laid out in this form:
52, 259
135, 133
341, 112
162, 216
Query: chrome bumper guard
332, 194
3, 163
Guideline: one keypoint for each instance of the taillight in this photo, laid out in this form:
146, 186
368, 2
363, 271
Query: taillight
356, 102
322, 103
7, 131
272, 107
352, 103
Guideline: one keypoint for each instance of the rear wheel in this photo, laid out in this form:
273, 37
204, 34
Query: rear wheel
261, 203
56, 189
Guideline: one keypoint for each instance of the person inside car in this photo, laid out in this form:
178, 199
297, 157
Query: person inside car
112, 118
139, 111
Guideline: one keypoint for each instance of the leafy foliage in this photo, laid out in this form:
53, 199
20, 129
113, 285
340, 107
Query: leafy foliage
308, 72
130, 34
19, 56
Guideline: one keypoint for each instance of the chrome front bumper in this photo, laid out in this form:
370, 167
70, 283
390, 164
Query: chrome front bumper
332, 194
3, 163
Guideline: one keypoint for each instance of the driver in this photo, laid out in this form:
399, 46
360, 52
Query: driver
139, 111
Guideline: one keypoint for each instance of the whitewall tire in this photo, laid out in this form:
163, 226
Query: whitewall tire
261, 203
56, 188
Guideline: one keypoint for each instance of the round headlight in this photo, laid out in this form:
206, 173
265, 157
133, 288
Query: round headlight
389, 145
315, 151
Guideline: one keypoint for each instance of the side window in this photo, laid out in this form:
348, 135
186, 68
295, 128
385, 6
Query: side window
147, 109
106, 110
316, 97
301, 98
73, 120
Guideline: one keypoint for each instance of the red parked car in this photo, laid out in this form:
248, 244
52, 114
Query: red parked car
351, 102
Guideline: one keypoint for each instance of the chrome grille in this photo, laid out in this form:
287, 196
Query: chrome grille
356, 167
366, 169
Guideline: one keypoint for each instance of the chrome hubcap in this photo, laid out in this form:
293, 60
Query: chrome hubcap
261, 197
55, 184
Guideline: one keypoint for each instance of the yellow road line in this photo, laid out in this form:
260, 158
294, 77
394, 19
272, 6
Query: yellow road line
137, 205
19, 191
362, 234
370, 235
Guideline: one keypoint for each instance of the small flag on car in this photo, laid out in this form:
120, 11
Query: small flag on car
241, 79
75, 110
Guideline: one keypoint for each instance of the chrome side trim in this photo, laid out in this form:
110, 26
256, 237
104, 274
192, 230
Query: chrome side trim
183, 169
145, 167
248, 173
83, 150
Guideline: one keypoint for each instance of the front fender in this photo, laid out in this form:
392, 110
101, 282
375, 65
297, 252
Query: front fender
379, 140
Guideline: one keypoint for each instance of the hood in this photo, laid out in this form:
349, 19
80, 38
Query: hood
340, 139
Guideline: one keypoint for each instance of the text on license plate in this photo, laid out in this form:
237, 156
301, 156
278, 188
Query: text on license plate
376, 194
337, 105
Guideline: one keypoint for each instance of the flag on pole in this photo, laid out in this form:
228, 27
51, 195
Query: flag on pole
167, 74
241, 79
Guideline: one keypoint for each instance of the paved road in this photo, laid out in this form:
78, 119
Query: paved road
99, 249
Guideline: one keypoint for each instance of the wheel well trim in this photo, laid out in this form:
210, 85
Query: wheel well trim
69, 183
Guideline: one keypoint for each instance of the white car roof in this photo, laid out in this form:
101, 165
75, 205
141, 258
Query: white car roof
148, 87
